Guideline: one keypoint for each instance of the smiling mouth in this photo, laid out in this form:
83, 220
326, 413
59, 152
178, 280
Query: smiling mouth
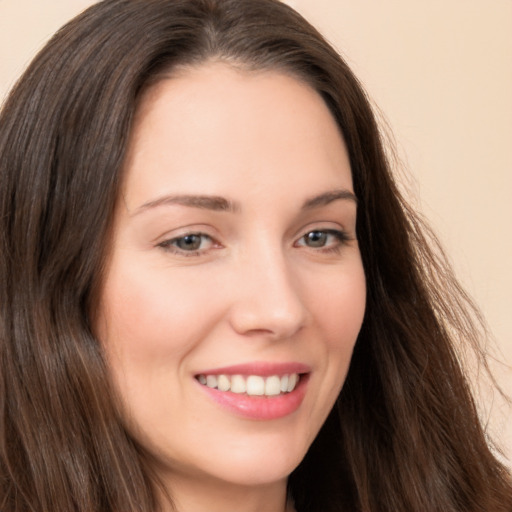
252, 385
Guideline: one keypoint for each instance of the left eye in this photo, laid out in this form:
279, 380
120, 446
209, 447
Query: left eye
321, 238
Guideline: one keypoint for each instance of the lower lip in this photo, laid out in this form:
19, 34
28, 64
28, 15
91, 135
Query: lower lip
260, 407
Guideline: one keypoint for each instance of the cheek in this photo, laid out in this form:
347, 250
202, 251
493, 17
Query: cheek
338, 311
339, 307
146, 315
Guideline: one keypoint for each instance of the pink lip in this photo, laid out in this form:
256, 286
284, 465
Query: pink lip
260, 407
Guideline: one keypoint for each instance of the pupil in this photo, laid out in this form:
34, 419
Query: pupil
316, 238
189, 242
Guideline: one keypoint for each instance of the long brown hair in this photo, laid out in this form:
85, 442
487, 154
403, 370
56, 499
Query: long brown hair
404, 434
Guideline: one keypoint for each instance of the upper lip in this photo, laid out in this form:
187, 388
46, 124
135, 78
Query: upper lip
262, 368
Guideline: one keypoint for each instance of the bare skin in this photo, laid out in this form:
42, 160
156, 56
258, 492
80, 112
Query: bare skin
234, 245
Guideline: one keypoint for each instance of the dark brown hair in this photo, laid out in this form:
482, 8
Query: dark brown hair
404, 434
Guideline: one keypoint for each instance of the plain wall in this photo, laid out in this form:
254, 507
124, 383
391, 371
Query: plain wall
441, 72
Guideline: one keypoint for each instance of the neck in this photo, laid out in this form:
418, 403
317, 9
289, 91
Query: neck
213, 496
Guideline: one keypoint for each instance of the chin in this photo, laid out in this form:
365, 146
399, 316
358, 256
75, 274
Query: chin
261, 465
241, 463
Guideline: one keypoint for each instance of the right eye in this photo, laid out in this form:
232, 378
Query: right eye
190, 244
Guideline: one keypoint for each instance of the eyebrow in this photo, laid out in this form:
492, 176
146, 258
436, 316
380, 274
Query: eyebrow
221, 204
204, 202
329, 197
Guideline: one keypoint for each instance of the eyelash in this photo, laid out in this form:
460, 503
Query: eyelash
171, 245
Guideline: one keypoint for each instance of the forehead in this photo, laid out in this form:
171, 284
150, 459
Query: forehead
215, 122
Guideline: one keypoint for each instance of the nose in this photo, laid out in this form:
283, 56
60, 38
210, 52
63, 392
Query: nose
267, 298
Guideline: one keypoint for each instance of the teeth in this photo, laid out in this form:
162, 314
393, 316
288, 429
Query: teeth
292, 382
253, 385
284, 384
211, 381
273, 386
223, 383
238, 384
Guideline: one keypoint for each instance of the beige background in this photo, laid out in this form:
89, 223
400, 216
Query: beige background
441, 71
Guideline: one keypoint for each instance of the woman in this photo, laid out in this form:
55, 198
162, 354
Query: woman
213, 296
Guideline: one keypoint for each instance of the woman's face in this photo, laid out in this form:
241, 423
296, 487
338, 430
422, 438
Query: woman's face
234, 272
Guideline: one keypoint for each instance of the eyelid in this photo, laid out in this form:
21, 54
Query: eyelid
333, 225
